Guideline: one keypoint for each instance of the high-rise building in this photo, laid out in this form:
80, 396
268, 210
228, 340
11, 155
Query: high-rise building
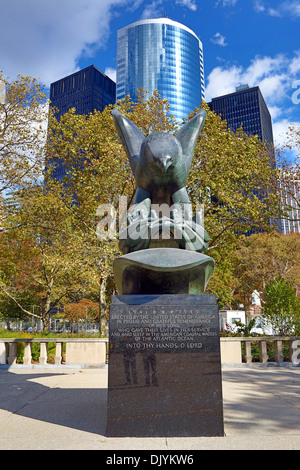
161, 54
247, 108
290, 196
86, 90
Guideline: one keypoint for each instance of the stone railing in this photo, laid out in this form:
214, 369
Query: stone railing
236, 350
78, 351
93, 352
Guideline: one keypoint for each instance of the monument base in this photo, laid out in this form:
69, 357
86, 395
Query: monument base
163, 271
164, 376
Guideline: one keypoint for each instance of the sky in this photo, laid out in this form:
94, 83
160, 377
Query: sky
245, 41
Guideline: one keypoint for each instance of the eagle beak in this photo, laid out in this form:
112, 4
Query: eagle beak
165, 163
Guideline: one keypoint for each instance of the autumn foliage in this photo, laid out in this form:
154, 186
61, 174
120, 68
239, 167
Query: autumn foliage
49, 245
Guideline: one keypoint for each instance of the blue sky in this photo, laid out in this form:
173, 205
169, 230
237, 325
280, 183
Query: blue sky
245, 41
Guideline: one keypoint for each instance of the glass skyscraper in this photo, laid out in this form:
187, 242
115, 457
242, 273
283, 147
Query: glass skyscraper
164, 55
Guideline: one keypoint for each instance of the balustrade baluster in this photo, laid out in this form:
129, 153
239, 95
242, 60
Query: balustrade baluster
27, 354
2, 352
263, 353
12, 357
248, 353
58, 354
278, 351
43, 354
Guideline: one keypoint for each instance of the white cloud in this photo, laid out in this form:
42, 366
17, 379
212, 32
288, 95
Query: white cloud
271, 74
222, 81
290, 8
295, 64
153, 10
273, 12
262, 67
136, 4
275, 77
111, 73
275, 87
280, 133
226, 3
259, 7
280, 129
275, 112
191, 4
46, 38
219, 40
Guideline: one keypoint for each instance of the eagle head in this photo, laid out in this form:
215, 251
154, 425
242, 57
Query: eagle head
160, 151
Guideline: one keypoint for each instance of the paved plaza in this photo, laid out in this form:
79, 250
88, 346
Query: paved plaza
66, 409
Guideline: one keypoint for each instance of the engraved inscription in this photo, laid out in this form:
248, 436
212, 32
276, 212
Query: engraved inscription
161, 329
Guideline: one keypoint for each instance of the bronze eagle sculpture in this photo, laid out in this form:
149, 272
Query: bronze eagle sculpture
160, 163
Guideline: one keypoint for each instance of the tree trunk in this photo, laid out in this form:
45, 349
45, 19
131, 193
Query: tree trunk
46, 322
46, 313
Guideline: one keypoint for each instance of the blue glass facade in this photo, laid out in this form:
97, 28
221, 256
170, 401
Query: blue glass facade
86, 90
164, 55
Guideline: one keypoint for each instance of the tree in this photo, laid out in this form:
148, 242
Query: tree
289, 177
282, 307
16, 293
293, 139
98, 173
85, 309
232, 176
41, 252
23, 120
264, 257
223, 282
55, 223
228, 174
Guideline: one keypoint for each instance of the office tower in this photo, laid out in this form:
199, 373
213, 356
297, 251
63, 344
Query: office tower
247, 108
290, 196
164, 55
86, 90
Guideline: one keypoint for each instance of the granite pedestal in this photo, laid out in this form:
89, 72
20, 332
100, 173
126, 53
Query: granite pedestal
164, 377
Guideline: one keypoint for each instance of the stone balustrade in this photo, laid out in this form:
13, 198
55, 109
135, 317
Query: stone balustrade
232, 351
93, 351
78, 351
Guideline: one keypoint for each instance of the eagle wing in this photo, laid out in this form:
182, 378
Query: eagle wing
130, 136
188, 135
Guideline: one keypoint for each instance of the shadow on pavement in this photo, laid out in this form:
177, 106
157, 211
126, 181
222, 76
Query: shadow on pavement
84, 409
256, 401
262, 401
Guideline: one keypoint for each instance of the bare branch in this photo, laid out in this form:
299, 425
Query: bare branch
18, 304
